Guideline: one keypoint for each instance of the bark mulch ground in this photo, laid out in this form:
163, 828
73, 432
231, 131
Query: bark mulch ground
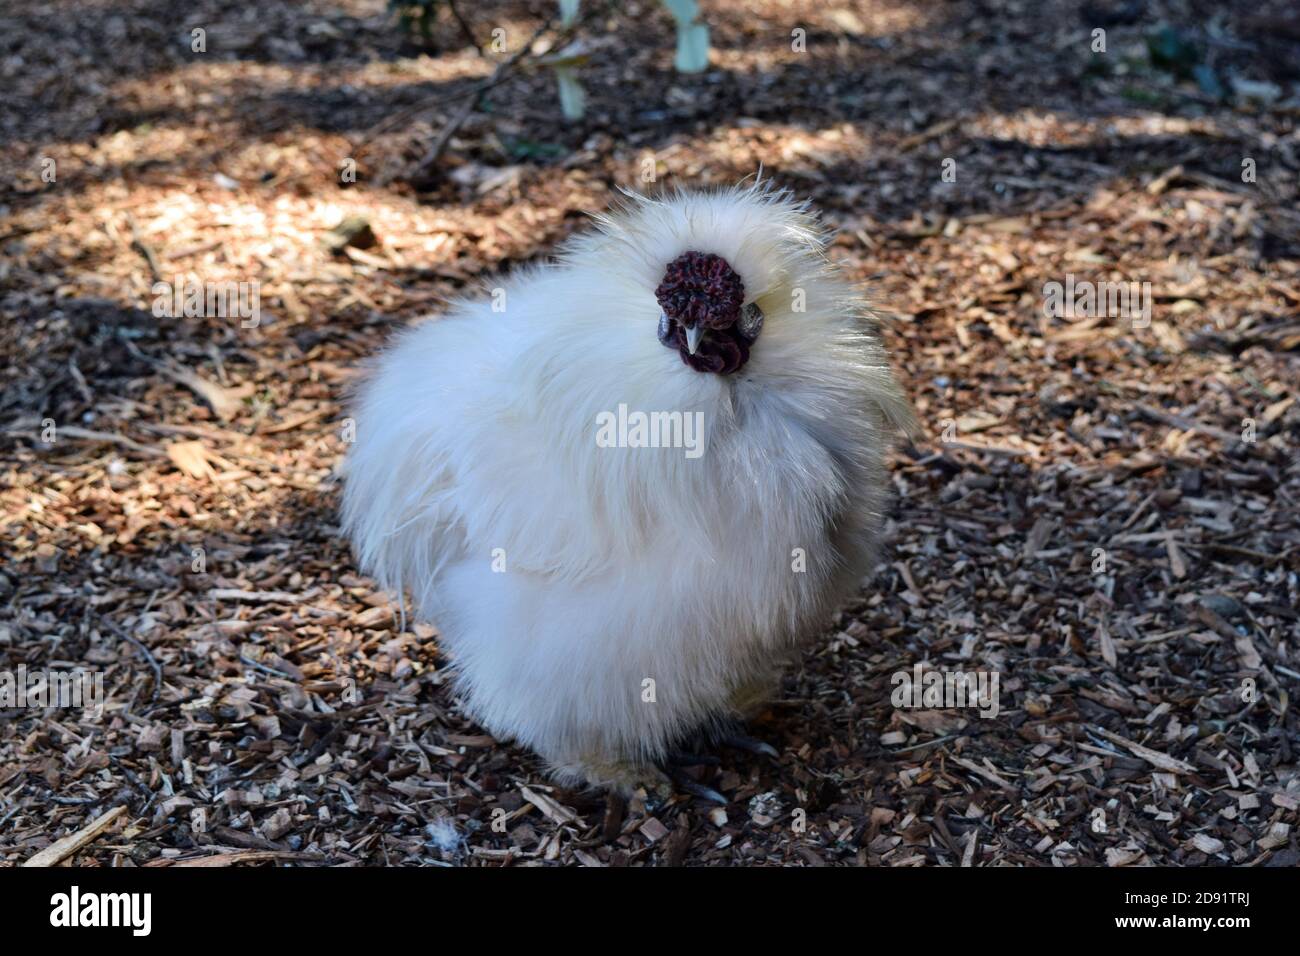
1103, 512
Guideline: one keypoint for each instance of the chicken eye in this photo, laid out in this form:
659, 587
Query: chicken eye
666, 330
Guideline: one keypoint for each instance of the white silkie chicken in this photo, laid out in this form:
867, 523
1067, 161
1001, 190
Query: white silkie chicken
609, 581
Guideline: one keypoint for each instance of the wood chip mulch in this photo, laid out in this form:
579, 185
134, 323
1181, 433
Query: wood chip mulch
1104, 515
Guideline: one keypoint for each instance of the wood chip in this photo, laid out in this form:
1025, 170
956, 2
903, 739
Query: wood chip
66, 846
1154, 757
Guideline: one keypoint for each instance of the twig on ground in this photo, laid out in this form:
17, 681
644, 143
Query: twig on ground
148, 655
63, 848
464, 27
440, 142
140, 246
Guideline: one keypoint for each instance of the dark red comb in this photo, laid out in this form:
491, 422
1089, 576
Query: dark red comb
699, 287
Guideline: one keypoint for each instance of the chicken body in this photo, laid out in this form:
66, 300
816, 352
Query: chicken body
601, 603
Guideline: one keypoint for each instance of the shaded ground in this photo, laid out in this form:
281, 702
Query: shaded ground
1104, 512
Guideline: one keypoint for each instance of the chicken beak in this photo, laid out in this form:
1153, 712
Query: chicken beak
693, 336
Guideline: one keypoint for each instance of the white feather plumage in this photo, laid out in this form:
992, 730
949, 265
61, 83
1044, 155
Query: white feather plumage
475, 444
